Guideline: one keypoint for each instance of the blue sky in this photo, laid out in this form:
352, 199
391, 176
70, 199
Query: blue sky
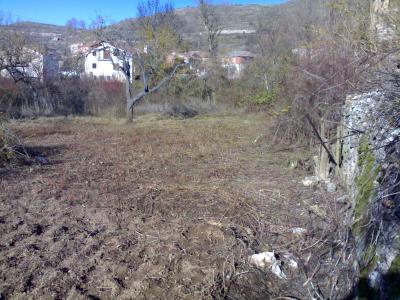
59, 11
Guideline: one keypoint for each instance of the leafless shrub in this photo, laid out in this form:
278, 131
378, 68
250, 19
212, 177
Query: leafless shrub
332, 62
20, 100
11, 150
6, 141
318, 85
63, 96
11, 98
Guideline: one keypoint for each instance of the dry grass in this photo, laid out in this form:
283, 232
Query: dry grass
7, 141
161, 208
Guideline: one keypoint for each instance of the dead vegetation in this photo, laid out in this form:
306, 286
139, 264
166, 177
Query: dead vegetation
13, 153
7, 143
165, 209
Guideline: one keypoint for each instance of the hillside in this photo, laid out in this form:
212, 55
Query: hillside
52, 36
234, 18
38, 28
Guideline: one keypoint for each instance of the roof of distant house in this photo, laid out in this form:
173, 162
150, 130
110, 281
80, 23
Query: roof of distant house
241, 53
201, 54
105, 45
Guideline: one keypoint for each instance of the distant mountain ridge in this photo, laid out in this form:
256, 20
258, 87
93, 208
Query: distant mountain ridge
237, 22
37, 27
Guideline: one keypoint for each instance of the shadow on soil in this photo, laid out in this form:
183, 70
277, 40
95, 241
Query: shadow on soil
27, 156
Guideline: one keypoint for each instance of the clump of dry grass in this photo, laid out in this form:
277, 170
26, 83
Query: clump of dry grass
12, 152
7, 140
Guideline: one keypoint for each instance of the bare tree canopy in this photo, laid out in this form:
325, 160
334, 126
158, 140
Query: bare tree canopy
5, 18
155, 10
158, 27
212, 24
74, 23
98, 23
19, 59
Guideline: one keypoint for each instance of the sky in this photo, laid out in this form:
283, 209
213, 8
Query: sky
59, 11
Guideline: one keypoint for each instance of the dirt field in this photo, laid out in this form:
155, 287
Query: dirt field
157, 209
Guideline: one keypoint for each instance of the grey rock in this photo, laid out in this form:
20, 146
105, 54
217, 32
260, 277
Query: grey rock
330, 186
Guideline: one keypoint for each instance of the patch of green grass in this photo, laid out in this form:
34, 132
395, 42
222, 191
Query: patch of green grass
370, 260
263, 98
365, 184
395, 266
369, 172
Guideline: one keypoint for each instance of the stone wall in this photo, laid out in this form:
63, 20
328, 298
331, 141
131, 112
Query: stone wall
368, 156
380, 22
369, 170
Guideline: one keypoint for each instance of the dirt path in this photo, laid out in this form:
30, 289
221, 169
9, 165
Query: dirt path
160, 209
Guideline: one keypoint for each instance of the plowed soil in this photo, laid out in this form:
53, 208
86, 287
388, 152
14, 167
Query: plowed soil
157, 209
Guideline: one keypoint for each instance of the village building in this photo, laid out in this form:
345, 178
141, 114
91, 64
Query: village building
235, 63
195, 60
80, 48
52, 62
33, 64
106, 62
186, 57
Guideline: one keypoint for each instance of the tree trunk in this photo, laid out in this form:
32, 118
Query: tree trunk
129, 111
129, 114
131, 101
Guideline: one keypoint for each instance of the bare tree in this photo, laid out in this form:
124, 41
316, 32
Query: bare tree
72, 23
99, 22
271, 42
18, 59
22, 62
212, 24
75, 24
98, 28
158, 29
213, 28
5, 18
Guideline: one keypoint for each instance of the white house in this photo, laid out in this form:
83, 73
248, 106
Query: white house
106, 62
31, 64
236, 62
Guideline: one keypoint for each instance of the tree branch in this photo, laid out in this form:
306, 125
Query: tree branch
331, 158
165, 80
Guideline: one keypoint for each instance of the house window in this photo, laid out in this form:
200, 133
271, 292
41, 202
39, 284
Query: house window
94, 66
107, 54
108, 77
94, 53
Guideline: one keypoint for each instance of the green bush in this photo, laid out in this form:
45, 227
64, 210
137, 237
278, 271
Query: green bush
264, 98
